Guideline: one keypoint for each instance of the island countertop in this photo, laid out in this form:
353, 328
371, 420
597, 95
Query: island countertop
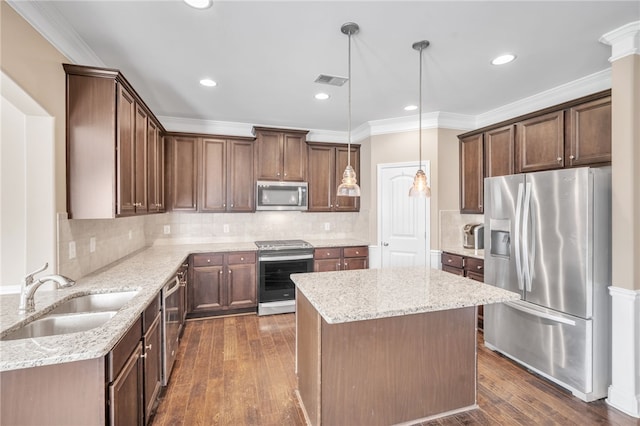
346, 296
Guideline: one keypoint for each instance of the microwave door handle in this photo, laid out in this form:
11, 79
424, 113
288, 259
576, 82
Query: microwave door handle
299, 196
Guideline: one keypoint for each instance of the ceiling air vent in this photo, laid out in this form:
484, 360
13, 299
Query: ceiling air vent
331, 80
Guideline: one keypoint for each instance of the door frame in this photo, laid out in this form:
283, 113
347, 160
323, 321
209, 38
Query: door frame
426, 167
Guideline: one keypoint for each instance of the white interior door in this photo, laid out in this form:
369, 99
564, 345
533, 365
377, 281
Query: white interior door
403, 221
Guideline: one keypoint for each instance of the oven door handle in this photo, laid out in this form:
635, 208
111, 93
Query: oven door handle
285, 257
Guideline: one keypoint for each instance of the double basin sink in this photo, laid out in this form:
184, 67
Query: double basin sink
80, 313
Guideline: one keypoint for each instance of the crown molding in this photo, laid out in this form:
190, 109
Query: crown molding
575, 89
432, 120
212, 127
45, 18
624, 41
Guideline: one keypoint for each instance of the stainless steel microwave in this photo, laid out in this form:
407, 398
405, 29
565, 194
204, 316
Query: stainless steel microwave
274, 195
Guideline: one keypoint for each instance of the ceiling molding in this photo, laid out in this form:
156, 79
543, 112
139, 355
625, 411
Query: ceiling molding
46, 19
575, 89
624, 41
193, 125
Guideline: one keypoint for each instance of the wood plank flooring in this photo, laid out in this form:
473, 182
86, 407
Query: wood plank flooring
240, 371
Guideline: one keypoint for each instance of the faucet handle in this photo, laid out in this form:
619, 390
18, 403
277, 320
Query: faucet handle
29, 278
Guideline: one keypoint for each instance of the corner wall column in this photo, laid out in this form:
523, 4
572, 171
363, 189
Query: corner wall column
624, 392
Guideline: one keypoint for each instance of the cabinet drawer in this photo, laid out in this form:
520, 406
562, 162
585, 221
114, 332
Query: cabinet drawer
123, 349
150, 314
326, 253
474, 265
207, 259
452, 270
242, 257
475, 276
452, 260
360, 251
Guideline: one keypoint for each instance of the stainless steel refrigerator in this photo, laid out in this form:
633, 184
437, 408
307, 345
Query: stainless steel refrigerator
548, 237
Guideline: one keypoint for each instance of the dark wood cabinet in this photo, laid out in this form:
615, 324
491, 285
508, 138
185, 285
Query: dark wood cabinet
471, 174
326, 166
152, 355
340, 258
588, 136
213, 179
240, 178
222, 283
155, 167
499, 146
465, 266
182, 173
125, 393
107, 142
281, 154
540, 143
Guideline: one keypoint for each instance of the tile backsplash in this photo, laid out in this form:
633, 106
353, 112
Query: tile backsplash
100, 242
451, 225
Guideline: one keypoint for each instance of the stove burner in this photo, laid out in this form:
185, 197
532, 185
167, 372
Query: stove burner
282, 244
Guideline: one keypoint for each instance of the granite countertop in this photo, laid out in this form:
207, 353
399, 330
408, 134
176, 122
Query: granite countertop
346, 296
145, 271
478, 254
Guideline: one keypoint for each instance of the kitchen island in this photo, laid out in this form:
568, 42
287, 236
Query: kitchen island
387, 346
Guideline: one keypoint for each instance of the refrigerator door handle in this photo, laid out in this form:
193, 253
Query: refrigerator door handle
516, 235
525, 236
534, 312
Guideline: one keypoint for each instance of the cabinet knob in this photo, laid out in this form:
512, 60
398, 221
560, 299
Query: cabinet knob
231, 205
143, 356
338, 266
559, 159
572, 157
220, 272
229, 271
357, 252
242, 258
479, 266
449, 260
148, 347
208, 260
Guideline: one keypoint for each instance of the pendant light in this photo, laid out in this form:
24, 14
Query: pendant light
349, 186
420, 186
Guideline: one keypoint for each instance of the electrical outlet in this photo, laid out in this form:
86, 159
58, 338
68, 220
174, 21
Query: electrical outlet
72, 249
327, 226
167, 229
130, 234
225, 228
92, 244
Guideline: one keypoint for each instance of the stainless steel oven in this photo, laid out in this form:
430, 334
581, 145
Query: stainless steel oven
277, 260
173, 319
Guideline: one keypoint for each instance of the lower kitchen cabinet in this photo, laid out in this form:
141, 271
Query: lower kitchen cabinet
340, 258
222, 283
126, 405
152, 354
466, 266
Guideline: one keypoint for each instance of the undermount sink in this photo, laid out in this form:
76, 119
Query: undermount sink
95, 303
51, 325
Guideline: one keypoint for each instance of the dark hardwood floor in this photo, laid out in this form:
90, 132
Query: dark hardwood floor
240, 371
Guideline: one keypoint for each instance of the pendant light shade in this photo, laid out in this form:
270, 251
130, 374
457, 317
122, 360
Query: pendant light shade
349, 186
420, 187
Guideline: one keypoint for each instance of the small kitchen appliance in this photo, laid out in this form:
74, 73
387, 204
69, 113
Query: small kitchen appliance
473, 236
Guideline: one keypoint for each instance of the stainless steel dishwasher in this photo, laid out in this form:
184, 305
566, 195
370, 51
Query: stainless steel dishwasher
173, 315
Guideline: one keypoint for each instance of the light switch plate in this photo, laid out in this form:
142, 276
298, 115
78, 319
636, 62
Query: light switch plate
92, 244
72, 249
167, 229
225, 228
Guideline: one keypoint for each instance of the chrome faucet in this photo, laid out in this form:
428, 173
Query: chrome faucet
29, 287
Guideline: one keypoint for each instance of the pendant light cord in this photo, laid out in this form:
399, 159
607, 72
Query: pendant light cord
420, 112
349, 103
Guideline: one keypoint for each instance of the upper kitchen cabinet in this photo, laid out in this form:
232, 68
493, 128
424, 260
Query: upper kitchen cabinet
471, 174
281, 154
155, 167
108, 128
499, 145
540, 143
211, 174
326, 165
588, 135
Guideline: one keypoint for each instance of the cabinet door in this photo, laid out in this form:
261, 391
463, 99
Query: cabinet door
155, 167
152, 366
269, 157
499, 146
213, 177
241, 286
353, 263
183, 173
241, 184
126, 153
589, 133
206, 289
326, 265
294, 157
540, 143
471, 174
140, 169
321, 177
346, 204
126, 405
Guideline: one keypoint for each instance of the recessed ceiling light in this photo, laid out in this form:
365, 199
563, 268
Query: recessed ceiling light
321, 96
411, 108
199, 4
503, 59
208, 82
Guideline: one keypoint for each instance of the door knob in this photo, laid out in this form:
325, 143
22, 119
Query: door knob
385, 244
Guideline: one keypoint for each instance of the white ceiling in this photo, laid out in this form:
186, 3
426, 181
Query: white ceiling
265, 55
